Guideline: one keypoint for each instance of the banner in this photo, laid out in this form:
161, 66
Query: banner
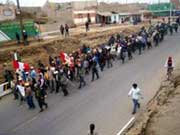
21, 90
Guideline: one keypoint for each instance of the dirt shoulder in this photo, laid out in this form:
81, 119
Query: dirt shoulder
162, 114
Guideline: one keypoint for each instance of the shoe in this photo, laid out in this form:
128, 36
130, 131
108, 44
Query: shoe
41, 110
46, 106
133, 113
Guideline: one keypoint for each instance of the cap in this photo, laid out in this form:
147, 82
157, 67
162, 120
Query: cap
26, 84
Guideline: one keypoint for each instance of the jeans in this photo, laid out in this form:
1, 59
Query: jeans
136, 105
82, 81
95, 72
52, 86
30, 102
41, 102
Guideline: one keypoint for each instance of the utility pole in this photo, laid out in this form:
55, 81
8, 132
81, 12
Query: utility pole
20, 19
170, 8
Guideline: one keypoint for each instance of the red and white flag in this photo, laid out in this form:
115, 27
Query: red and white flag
21, 65
66, 59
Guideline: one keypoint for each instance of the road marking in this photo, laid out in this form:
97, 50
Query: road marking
122, 130
22, 125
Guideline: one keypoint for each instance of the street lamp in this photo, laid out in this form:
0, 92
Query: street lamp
20, 19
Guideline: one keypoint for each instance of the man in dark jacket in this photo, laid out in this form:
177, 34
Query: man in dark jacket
62, 30
18, 38
81, 75
40, 97
63, 83
94, 70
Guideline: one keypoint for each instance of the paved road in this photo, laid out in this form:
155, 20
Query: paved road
103, 102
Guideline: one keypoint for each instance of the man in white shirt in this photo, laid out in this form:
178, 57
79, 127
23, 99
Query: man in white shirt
135, 94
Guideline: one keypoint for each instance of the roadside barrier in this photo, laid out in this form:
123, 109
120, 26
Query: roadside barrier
4, 89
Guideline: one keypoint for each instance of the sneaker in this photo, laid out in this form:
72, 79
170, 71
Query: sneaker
133, 113
41, 110
46, 106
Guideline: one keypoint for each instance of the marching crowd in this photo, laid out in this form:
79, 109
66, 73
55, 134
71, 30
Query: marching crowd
73, 68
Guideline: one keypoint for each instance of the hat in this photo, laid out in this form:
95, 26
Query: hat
26, 84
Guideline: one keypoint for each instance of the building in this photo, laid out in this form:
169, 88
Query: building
32, 10
53, 9
117, 13
114, 17
161, 9
176, 3
7, 12
84, 5
82, 16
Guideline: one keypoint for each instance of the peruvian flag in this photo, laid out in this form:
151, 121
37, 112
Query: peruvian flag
66, 59
17, 64
21, 66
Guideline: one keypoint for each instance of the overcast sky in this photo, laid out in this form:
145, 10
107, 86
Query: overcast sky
41, 2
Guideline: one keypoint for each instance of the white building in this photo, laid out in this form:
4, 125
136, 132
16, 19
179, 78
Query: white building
81, 17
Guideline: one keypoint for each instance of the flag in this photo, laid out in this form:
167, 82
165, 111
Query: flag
21, 66
21, 90
15, 64
66, 59
16, 56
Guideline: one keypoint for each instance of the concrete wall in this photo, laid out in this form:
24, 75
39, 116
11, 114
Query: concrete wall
81, 5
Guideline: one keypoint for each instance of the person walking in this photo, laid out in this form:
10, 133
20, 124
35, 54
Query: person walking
25, 36
87, 26
66, 30
40, 97
109, 59
57, 80
63, 83
94, 70
33, 76
42, 84
81, 75
29, 96
135, 93
170, 66
18, 38
62, 30
92, 130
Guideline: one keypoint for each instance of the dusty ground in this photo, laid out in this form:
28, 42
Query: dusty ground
41, 50
163, 112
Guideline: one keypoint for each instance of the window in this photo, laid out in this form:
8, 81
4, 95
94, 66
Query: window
7, 12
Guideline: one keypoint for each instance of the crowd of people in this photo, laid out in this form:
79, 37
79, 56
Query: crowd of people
66, 69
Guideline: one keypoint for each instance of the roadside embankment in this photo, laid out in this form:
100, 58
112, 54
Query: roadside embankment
161, 117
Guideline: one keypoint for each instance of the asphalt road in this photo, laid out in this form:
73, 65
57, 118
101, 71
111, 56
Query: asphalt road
103, 102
